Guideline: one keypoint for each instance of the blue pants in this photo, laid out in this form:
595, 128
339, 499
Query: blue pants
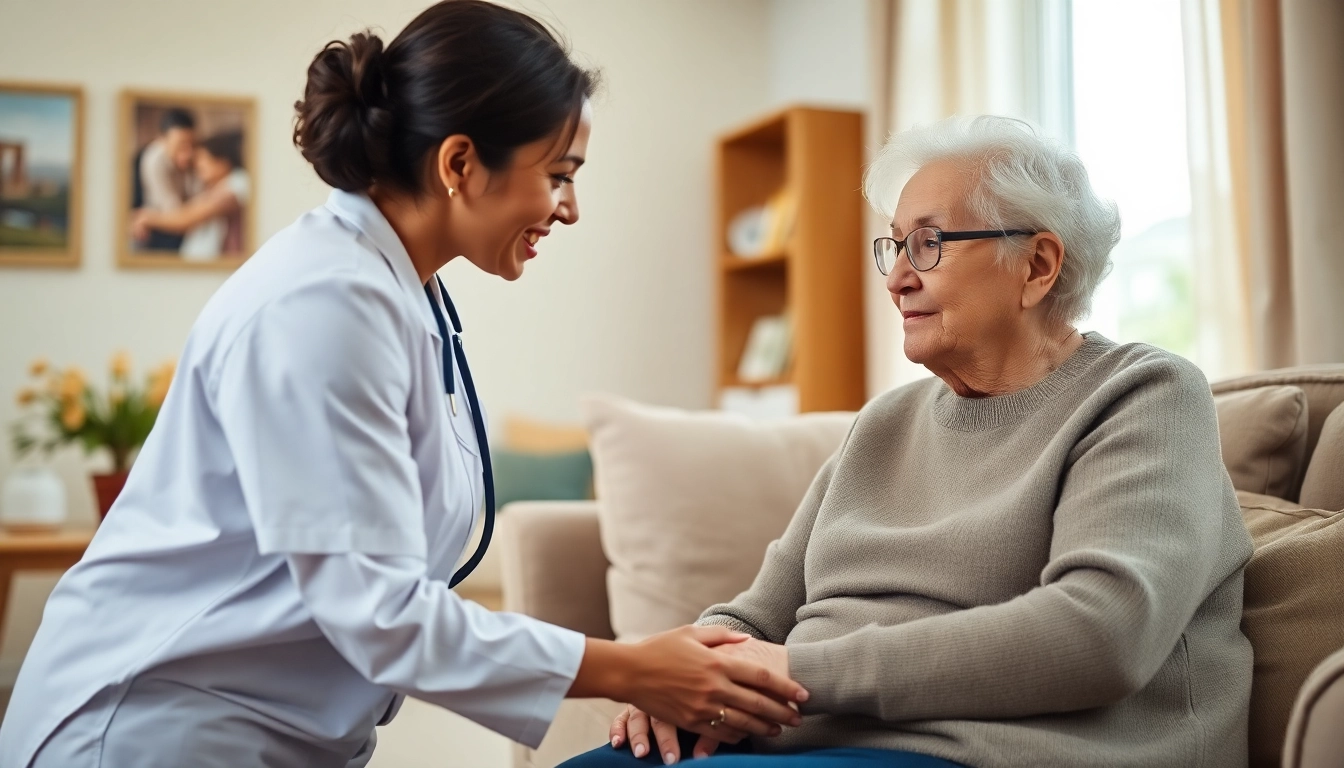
741, 756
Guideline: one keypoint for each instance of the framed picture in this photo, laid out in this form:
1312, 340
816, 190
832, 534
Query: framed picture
41, 169
187, 177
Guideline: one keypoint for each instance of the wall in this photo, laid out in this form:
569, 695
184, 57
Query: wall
822, 52
621, 302
819, 53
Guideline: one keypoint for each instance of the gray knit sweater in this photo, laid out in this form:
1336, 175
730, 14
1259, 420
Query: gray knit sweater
1047, 578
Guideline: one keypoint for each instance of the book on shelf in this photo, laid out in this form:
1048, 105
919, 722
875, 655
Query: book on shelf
769, 346
783, 206
763, 230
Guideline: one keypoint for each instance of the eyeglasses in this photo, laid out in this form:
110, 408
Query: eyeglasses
924, 246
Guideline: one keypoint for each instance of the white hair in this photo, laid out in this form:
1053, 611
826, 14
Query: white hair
1024, 181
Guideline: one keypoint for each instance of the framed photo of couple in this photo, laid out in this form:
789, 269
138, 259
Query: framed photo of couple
186, 180
41, 170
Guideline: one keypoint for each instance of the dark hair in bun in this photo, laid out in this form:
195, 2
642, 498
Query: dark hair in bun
370, 115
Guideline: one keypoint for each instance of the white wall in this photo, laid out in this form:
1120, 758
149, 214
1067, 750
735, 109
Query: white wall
819, 53
622, 302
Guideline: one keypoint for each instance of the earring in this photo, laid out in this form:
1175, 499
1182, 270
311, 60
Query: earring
451, 192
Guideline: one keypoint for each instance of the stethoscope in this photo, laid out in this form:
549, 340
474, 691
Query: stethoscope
477, 422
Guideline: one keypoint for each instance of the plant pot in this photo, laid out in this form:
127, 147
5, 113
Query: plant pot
106, 488
33, 499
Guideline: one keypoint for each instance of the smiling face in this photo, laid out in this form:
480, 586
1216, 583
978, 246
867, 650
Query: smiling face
504, 214
969, 302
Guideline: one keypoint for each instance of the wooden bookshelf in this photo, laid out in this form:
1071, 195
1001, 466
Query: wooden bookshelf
734, 263
817, 155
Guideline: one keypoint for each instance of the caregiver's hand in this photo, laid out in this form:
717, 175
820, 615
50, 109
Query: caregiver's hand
683, 678
634, 725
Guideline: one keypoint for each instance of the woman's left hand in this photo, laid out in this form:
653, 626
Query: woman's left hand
642, 732
769, 655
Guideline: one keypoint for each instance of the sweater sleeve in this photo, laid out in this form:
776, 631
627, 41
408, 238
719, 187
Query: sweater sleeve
768, 609
1141, 537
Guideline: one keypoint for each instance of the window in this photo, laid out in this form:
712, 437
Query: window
1129, 126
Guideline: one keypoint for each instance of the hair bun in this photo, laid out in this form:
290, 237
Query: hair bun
344, 122
366, 68
375, 117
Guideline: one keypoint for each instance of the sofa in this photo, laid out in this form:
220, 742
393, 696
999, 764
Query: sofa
688, 501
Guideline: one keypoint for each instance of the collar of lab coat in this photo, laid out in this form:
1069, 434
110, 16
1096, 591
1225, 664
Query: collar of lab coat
357, 210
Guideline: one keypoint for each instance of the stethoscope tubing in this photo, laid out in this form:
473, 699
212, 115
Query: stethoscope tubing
454, 340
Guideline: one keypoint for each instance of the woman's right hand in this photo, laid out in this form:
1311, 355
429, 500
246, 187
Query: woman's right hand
682, 681
640, 730
678, 679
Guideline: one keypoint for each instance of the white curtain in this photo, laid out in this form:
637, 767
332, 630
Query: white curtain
1218, 222
1268, 170
938, 58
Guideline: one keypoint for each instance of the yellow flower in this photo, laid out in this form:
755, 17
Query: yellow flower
116, 396
159, 381
121, 365
157, 394
73, 416
27, 396
71, 386
38, 367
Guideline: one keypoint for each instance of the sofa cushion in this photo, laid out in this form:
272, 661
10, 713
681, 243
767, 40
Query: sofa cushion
1323, 486
689, 501
1264, 438
1294, 608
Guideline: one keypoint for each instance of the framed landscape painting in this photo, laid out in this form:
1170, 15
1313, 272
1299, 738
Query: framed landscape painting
187, 175
41, 169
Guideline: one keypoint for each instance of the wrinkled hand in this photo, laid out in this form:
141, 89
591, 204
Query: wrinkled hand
769, 655
682, 677
634, 726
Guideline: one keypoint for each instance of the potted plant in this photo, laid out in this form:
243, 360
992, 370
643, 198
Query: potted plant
62, 407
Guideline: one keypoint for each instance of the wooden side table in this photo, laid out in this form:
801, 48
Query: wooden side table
45, 551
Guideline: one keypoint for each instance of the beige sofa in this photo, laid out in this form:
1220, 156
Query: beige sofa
1283, 442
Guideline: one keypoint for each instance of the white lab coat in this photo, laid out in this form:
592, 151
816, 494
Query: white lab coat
274, 574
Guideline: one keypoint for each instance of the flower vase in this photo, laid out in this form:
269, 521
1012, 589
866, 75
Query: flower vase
106, 488
33, 499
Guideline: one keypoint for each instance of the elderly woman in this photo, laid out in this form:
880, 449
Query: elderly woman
1034, 558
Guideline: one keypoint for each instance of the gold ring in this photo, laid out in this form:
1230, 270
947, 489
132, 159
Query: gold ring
722, 717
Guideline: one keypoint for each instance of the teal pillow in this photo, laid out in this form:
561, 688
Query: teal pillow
523, 476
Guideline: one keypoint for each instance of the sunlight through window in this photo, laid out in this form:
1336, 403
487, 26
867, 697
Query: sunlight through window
1130, 128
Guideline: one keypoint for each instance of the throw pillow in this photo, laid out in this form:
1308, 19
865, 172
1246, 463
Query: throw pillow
526, 476
523, 434
1264, 438
1323, 486
689, 501
1294, 608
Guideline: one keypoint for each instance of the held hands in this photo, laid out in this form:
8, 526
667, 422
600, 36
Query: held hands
730, 724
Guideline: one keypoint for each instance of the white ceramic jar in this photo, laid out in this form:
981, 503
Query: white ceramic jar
33, 498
